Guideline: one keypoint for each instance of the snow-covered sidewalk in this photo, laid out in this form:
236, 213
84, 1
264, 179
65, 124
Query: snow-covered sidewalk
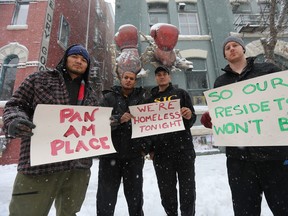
213, 193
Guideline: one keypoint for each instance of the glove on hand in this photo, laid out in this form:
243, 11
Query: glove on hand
206, 120
21, 128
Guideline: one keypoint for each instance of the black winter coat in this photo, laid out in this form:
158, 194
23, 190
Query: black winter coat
252, 70
179, 140
126, 147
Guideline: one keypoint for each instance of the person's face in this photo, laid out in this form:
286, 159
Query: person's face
76, 65
233, 51
162, 78
128, 80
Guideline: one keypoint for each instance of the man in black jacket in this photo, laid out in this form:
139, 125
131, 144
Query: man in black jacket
173, 153
252, 171
127, 164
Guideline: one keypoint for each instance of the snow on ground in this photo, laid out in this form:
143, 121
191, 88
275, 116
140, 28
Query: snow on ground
212, 190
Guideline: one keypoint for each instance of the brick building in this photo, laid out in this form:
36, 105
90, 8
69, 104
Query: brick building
34, 36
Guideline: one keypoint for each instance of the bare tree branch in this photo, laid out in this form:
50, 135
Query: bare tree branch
282, 15
276, 25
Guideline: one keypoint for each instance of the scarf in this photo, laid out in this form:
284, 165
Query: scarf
81, 93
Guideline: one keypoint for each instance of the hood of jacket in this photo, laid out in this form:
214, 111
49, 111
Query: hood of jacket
61, 66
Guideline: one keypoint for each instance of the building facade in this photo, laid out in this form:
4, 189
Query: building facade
203, 25
34, 36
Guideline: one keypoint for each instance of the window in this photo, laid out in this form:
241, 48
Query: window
158, 13
188, 24
197, 81
64, 31
20, 13
8, 75
188, 19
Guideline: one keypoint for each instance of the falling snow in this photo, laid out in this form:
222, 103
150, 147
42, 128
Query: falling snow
213, 193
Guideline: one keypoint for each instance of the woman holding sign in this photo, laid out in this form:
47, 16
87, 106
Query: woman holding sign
252, 171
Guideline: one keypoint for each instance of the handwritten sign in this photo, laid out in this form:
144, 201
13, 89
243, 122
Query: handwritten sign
70, 132
156, 118
252, 112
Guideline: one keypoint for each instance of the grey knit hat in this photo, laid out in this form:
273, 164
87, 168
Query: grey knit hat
234, 39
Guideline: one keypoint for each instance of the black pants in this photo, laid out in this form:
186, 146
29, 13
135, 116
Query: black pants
250, 179
168, 168
111, 171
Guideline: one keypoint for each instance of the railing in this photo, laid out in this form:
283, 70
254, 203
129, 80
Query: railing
250, 23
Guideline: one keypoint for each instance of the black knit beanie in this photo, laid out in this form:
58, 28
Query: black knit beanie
234, 39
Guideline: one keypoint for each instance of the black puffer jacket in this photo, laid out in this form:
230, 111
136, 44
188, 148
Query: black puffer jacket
126, 147
251, 71
179, 140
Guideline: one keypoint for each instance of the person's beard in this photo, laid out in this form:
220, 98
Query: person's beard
75, 72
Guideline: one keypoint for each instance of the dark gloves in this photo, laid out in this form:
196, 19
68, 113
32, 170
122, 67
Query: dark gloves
114, 121
20, 128
206, 120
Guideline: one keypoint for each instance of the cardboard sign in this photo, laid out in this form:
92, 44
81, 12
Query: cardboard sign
70, 132
156, 118
251, 112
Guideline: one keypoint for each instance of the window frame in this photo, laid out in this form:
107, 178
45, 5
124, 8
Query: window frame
4, 84
158, 10
189, 25
189, 9
20, 15
197, 99
63, 39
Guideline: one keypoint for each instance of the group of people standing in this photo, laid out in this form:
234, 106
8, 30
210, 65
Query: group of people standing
251, 170
170, 155
65, 183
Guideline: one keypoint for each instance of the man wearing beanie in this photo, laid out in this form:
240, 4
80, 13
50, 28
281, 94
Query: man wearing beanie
252, 171
233, 39
64, 183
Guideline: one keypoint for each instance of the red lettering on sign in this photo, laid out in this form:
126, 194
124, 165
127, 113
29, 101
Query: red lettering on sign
81, 145
93, 144
71, 130
71, 115
90, 128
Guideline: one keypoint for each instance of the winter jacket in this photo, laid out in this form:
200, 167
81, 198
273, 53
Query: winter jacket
179, 140
45, 87
252, 70
126, 147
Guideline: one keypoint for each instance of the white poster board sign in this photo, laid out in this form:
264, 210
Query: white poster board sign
70, 132
156, 118
251, 112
